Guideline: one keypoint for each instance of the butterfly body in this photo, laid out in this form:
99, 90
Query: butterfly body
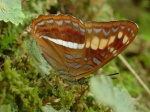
79, 49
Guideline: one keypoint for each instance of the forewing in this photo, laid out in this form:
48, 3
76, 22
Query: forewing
61, 39
104, 41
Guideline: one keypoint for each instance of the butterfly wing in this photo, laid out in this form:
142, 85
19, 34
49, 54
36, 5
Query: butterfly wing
62, 41
104, 41
78, 49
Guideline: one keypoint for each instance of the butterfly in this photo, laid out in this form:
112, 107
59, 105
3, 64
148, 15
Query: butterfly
77, 49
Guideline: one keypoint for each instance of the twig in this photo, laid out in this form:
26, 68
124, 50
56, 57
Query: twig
134, 73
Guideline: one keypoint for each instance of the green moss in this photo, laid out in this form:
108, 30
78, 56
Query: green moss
25, 87
15, 87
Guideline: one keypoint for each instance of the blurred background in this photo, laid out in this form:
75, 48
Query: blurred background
15, 61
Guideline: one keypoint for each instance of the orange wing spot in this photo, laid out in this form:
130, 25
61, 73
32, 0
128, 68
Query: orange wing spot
103, 43
111, 40
94, 43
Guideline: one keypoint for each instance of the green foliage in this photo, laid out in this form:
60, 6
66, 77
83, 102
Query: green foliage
5, 108
49, 108
4, 43
8, 36
115, 97
22, 89
39, 61
15, 89
10, 10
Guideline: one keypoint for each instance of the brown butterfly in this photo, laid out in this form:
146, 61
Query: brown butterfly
79, 49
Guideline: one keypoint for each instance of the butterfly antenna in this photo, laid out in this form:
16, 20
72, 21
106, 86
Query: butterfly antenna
114, 74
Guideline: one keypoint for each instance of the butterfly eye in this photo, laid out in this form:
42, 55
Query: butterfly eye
79, 49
